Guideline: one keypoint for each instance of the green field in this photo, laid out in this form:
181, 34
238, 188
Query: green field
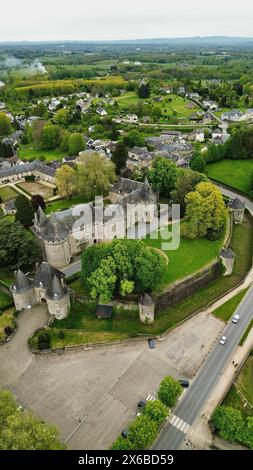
191, 256
7, 193
177, 105
243, 384
225, 311
234, 173
30, 153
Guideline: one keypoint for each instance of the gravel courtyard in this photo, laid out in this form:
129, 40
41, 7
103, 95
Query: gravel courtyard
92, 395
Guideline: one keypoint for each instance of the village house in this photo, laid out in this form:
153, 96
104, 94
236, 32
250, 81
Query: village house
101, 112
197, 135
217, 136
209, 104
232, 116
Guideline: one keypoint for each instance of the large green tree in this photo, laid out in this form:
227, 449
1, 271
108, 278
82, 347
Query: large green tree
169, 391
76, 143
18, 248
205, 211
5, 125
187, 181
22, 431
163, 176
24, 211
94, 175
119, 156
51, 136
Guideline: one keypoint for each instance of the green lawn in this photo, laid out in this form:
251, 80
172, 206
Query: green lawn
6, 276
225, 311
243, 384
7, 193
6, 319
235, 173
191, 256
63, 204
30, 153
5, 300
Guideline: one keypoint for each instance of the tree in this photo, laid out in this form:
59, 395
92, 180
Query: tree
35, 133
187, 181
18, 246
142, 432
61, 117
122, 444
24, 211
150, 267
126, 287
38, 201
133, 139
65, 179
119, 156
76, 143
102, 281
156, 411
64, 147
163, 176
51, 136
5, 125
95, 175
229, 422
144, 90
169, 391
23, 431
205, 211
197, 163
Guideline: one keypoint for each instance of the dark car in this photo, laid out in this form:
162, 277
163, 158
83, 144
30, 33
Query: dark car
141, 404
184, 383
151, 343
125, 433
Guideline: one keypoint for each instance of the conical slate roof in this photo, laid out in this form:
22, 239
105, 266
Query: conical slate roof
41, 216
22, 282
45, 275
55, 230
236, 203
56, 290
227, 253
146, 300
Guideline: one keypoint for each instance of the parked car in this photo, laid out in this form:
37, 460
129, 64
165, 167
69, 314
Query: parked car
223, 340
125, 433
236, 318
184, 383
151, 343
141, 404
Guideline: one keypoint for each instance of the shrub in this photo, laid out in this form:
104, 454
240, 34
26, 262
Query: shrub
156, 411
61, 334
215, 234
8, 330
142, 432
122, 444
44, 341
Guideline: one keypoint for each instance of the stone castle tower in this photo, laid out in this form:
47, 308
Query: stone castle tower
47, 286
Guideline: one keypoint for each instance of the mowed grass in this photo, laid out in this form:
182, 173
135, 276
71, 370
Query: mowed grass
243, 384
234, 173
64, 204
225, 311
7, 193
5, 300
190, 257
30, 153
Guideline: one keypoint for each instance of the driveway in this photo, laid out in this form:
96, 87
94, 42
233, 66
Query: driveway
92, 395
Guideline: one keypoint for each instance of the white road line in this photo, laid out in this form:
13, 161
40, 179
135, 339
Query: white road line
150, 398
179, 424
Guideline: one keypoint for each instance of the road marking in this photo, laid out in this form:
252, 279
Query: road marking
179, 424
150, 398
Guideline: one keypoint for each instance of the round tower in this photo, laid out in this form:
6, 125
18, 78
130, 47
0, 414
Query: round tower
22, 291
227, 257
147, 309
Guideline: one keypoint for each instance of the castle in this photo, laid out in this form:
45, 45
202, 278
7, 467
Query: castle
46, 286
65, 234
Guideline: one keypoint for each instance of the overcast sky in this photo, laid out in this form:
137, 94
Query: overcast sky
128, 19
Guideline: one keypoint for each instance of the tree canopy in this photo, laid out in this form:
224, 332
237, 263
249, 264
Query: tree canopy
163, 176
65, 179
94, 174
24, 211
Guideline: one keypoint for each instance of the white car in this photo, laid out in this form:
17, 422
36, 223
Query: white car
236, 318
223, 340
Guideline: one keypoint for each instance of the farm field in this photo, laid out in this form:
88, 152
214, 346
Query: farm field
234, 173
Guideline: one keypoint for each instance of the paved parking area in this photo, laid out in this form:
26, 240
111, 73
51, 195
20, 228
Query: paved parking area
92, 395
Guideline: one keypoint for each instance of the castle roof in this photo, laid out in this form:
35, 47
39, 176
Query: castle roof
236, 203
56, 289
21, 281
227, 253
36, 166
146, 300
45, 275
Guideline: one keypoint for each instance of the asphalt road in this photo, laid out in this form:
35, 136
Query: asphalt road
192, 402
